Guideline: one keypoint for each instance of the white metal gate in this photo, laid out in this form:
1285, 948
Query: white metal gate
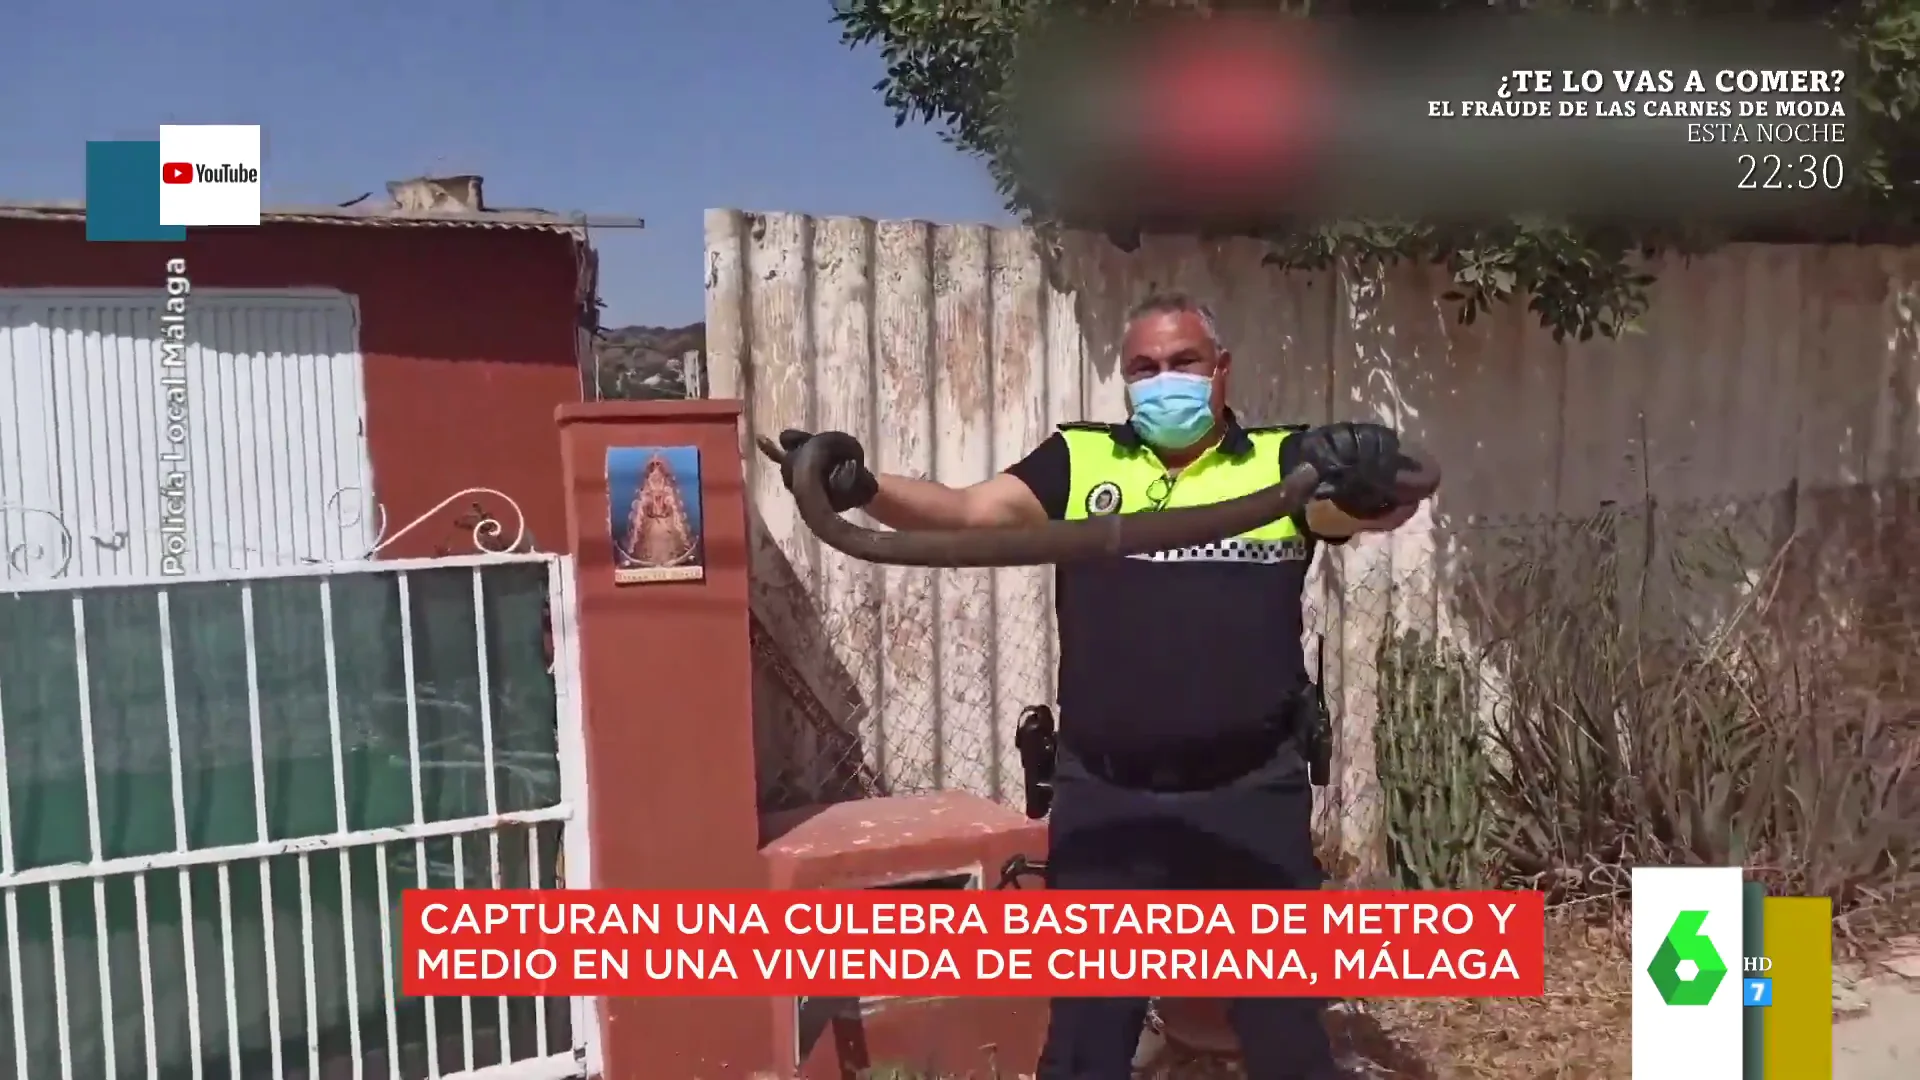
248, 448
212, 790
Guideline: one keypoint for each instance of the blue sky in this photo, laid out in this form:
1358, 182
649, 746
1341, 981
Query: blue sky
653, 108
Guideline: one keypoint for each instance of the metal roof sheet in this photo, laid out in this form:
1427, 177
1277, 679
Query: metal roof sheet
575, 223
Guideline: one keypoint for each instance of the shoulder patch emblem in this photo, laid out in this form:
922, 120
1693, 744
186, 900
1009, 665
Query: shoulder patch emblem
1103, 499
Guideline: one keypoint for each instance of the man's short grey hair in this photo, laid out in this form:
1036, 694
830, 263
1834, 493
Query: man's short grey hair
1177, 303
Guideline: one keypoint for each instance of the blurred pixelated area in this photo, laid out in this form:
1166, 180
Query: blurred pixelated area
1231, 115
1237, 122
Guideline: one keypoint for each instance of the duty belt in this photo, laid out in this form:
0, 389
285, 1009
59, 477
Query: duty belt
1212, 764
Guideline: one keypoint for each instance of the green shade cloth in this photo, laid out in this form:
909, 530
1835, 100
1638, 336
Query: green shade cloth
43, 669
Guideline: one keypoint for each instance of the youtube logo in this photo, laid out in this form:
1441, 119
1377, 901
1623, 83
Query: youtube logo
209, 174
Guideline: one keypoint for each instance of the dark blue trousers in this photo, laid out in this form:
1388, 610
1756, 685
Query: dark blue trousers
1255, 833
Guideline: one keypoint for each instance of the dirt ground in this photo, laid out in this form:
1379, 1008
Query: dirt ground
1876, 1031
1581, 1029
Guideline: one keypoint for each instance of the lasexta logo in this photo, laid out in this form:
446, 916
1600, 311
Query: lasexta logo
1685, 947
176, 172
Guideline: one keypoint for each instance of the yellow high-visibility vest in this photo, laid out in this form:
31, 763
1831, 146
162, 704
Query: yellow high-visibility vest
1110, 475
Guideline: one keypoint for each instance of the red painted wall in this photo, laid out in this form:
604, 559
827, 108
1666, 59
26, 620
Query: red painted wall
470, 337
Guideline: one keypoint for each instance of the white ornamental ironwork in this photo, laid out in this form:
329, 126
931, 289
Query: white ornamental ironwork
24, 557
41, 554
485, 528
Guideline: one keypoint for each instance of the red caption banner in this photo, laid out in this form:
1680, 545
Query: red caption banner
741, 943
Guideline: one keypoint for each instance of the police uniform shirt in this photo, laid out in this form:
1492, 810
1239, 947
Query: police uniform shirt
1164, 650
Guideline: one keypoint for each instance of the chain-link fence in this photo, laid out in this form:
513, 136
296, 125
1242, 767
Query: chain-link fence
899, 681
1716, 683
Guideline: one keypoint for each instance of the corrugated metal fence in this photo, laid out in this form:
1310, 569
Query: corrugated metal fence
1762, 372
248, 451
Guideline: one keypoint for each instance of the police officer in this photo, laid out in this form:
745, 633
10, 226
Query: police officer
1182, 675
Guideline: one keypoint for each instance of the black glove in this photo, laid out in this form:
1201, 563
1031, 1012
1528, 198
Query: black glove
1358, 465
850, 485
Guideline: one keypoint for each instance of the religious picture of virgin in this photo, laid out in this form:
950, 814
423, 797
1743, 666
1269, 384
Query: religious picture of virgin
653, 503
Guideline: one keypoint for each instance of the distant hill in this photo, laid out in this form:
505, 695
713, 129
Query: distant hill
644, 363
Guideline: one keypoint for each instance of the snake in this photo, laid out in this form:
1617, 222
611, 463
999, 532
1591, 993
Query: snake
1055, 542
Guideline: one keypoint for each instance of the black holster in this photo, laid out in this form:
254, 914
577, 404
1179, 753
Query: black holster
1315, 732
1039, 747
1315, 722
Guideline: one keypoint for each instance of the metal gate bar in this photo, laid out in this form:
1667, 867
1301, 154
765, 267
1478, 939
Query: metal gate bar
364, 1049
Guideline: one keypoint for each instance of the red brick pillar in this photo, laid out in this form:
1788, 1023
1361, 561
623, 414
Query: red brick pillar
667, 701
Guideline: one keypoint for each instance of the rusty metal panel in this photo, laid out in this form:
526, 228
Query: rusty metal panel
576, 225
948, 350
248, 452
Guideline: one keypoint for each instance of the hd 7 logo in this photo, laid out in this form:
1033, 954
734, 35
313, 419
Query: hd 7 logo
1687, 969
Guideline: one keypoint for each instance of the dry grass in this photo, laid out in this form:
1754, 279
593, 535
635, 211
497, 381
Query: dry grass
1718, 698
1580, 1030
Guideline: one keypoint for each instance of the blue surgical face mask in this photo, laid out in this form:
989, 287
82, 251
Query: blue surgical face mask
1172, 410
